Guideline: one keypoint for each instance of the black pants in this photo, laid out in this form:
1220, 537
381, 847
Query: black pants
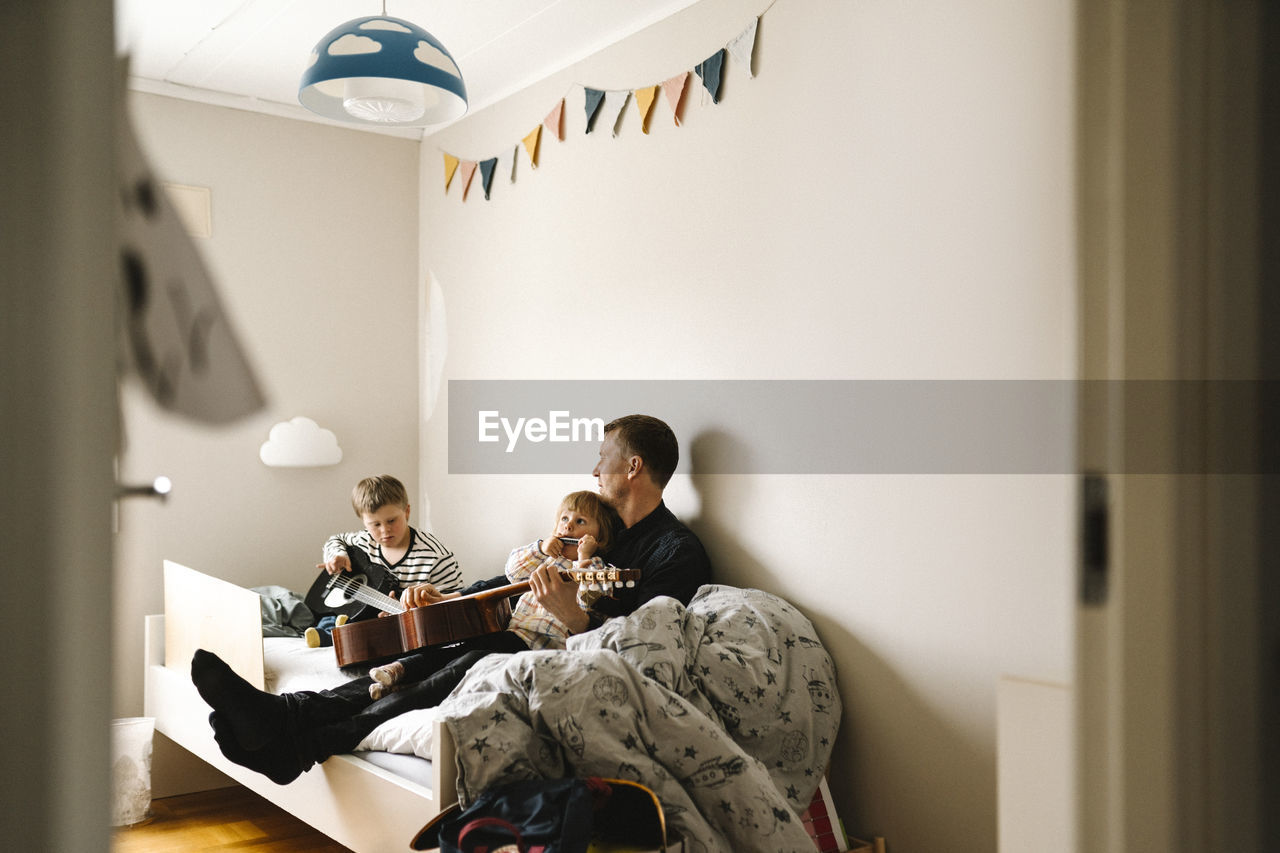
330, 722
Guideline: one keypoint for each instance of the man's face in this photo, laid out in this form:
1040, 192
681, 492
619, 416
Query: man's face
611, 471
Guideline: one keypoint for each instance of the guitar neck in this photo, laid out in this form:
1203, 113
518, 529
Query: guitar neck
601, 579
366, 594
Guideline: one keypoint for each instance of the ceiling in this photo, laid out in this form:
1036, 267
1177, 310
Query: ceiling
250, 54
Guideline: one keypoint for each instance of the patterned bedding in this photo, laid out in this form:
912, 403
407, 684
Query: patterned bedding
728, 709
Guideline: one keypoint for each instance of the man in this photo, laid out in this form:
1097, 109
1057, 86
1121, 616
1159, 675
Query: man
637, 458
283, 736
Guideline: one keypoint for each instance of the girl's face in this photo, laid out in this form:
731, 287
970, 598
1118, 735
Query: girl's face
575, 524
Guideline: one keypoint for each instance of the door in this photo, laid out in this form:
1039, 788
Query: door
1174, 627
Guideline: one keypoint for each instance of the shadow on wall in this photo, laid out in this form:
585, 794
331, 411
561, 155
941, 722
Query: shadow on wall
722, 498
901, 769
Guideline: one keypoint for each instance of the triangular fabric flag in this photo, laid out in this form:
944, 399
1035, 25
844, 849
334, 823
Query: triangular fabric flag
450, 166
515, 158
617, 102
742, 47
644, 100
531, 144
674, 90
468, 172
486, 174
594, 98
709, 71
555, 121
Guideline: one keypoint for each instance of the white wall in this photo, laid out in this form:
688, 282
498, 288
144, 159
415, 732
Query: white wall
314, 253
891, 197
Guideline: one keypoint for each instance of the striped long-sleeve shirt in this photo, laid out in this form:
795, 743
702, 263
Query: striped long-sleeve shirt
426, 561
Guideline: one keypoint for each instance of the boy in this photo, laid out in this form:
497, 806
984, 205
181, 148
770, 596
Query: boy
412, 557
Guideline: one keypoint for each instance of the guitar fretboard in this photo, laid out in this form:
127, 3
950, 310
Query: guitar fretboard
365, 594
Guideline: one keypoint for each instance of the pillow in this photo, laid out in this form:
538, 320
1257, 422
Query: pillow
409, 733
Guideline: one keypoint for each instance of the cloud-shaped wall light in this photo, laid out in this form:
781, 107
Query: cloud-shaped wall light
300, 443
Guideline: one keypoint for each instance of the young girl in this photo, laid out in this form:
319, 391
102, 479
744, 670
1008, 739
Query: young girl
583, 517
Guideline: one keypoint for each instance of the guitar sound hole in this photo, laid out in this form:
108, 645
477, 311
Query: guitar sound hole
337, 597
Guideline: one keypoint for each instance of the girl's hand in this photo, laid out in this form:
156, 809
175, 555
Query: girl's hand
587, 547
552, 546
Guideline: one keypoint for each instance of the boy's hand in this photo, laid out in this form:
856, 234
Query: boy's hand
339, 563
552, 546
587, 547
423, 594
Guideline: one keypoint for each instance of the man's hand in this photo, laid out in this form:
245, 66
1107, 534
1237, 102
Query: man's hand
559, 597
423, 594
339, 563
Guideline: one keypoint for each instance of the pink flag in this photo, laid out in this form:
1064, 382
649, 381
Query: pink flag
555, 121
674, 90
468, 172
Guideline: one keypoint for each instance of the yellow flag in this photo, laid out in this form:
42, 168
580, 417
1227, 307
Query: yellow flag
644, 100
450, 166
531, 145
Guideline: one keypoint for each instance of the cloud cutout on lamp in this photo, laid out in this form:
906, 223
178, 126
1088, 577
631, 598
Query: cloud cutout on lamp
383, 71
300, 443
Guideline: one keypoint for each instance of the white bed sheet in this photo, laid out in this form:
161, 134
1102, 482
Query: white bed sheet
290, 665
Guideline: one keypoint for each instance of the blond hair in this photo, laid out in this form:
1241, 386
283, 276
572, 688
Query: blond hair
373, 493
590, 505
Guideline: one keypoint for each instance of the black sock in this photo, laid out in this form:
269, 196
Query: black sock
254, 718
278, 760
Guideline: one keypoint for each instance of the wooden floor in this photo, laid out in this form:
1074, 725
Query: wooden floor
225, 819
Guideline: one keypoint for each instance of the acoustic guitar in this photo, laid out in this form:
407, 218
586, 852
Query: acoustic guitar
444, 622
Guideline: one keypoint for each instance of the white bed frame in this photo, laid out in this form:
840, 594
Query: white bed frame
354, 802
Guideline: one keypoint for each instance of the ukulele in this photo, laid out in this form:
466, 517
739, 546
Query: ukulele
444, 622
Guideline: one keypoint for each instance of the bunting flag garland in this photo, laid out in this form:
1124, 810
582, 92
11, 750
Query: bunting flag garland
674, 90
450, 166
554, 121
468, 172
531, 145
744, 46
486, 174
593, 99
644, 100
709, 71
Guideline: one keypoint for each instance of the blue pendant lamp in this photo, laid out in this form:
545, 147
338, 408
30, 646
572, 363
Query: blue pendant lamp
383, 71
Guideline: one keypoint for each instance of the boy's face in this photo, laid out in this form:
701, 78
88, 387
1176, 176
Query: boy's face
576, 525
388, 525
